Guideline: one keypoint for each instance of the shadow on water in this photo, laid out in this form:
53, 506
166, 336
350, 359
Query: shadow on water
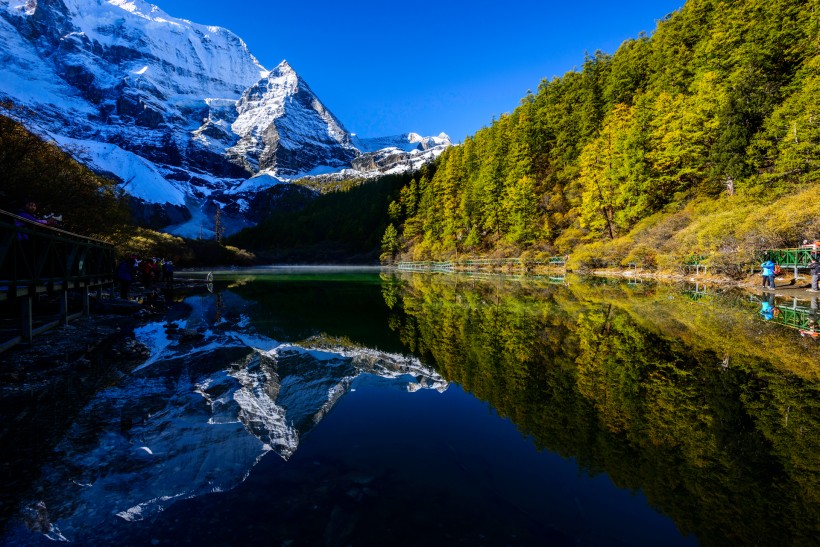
358, 408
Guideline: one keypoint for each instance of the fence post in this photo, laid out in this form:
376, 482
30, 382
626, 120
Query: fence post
85, 301
63, 296
25, 319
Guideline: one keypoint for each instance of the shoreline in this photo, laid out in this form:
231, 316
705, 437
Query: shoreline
784, 285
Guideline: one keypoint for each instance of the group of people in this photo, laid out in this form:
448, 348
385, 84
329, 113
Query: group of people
772, 270
146, 270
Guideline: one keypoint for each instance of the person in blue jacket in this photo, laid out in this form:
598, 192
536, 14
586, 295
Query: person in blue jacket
768, 273
766, 310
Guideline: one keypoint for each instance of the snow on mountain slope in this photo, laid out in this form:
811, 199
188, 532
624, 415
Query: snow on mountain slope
183, 114
406, 142
257, 183
24, 74
98, 46
285, 129
141, 178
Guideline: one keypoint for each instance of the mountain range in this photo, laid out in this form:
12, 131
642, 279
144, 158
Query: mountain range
182, 114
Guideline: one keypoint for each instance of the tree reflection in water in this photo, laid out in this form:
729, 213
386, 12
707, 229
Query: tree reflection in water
710, 412
688, 397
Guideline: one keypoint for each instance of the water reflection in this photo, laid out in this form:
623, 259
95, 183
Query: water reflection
791, 312
675, 400
685, 399
212, 399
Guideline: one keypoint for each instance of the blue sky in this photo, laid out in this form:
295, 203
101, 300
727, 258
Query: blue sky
385, 68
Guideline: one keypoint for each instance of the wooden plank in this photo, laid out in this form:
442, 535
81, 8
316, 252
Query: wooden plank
43, 328
8, 344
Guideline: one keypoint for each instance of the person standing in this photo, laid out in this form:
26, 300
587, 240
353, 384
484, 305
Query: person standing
768, 273
147, 273
29, 212
125, 275
168, 268
814, 270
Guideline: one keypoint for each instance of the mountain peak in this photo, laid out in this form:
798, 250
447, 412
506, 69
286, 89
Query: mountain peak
284, 66
285, 129
150, 95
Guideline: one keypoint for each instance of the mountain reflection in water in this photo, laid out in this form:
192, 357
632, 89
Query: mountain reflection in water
613, 408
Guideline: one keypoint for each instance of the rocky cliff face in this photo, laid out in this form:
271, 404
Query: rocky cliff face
285, 129
182, 113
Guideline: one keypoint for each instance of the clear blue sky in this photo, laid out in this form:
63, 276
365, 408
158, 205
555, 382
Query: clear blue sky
385, 68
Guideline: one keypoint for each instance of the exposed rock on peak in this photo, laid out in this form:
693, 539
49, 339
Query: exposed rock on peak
285, 129
182, 113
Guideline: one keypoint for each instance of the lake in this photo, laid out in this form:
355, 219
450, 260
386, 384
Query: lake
367, 407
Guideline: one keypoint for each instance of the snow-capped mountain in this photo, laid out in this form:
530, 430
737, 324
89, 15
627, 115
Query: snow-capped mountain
183, 114
285, 129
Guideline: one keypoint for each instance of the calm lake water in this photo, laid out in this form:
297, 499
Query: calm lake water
347, 407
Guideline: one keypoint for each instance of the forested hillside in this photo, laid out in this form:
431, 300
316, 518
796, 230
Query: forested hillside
32, 168
701, 139
343, 224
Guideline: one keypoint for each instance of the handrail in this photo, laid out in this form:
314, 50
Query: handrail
791, 257
3, 212
34, 255
430, 265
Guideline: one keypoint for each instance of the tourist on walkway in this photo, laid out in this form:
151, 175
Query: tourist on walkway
814, 270
168, 271
125, 276
768, 273
29, 212
147, 271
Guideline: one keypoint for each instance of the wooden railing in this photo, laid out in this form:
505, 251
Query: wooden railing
36, 258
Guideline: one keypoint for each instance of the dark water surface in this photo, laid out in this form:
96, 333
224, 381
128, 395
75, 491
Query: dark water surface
324, 407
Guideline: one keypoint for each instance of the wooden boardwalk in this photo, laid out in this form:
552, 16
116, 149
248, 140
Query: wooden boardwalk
37, 260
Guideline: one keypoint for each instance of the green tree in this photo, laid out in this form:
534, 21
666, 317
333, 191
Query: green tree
390, 243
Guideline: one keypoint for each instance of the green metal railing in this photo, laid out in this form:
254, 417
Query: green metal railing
791, 258
425, 266
478, 264
795, 316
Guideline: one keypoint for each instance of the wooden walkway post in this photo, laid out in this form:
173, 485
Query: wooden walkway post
85, 301
26, 319
37, 260
63, 296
